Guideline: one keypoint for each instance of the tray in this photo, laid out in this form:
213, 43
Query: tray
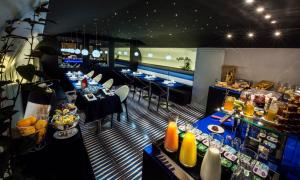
194, 173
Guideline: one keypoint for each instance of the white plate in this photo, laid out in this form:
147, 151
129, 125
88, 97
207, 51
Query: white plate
220, 129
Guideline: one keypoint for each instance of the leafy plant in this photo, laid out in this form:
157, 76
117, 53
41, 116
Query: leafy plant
27, 72
187, 63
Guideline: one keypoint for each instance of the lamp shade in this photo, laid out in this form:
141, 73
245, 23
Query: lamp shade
84, 52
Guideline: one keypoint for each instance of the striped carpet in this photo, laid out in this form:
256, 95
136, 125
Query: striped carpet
117, 153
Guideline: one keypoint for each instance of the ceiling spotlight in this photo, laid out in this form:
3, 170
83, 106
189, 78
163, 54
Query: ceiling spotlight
136, 53
249, 1
168, 57
260, 9
277, 33
268, 16
229, 36
250, 35
105, 52
273, 22
150, 55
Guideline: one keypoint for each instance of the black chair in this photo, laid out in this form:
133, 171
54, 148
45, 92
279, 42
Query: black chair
140, 86
158, 91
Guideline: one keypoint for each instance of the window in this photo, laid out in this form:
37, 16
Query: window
122, 53
168, 57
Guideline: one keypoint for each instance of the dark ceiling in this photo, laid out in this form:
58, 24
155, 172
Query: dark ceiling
181, 23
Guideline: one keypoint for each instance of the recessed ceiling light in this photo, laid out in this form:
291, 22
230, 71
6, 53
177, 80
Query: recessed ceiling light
136, 54
273, 22
250, 35
229, 36
260, 9
277, 33
268, 16
249, 1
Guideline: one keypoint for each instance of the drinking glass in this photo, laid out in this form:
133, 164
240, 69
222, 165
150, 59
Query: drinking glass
229, 103
245, 163
211, 164
188, 150
171, 137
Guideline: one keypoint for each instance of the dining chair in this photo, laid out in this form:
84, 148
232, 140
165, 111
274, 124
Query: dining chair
90, 74
108, 84
157, 90
98, 78
141, 86
123, 92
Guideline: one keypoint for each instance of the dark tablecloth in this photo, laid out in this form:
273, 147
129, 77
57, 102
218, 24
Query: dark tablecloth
99, 108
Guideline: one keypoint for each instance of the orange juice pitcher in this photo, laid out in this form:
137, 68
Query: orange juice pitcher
229, 103
171, 138
188, 150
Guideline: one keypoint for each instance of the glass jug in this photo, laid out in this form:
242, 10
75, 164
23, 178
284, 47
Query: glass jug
171, 137
188, 150
211, 164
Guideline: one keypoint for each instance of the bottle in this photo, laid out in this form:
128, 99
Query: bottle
171, 137
188, 150
84, 83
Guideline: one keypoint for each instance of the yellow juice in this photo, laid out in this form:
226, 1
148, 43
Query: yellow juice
271, 114
229, 103
188, 150
249, 109
171, 138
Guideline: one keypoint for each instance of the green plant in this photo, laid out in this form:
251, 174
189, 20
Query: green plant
27, 72
187, 63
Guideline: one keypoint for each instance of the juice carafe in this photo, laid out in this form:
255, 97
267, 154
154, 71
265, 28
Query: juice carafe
229, 103
188, 150
249, 108
272, 112
171, 138
211, 164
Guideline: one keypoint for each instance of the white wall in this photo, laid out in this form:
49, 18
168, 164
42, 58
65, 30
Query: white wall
274, 64
208, 68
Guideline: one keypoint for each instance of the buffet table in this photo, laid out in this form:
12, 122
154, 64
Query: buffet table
167, 166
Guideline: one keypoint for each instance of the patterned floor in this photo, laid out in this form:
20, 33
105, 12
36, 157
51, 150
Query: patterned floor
117, 153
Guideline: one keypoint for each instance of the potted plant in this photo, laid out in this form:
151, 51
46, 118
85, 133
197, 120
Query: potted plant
187, 63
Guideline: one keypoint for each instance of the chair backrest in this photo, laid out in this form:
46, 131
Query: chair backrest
122, 92
157, 89
108, 84
98, 78
90, 74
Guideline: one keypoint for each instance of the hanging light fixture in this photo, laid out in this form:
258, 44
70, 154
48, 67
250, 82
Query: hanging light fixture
77, 51
96, 52
84, 51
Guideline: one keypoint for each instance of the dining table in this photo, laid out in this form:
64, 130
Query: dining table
162, 82
102, 102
